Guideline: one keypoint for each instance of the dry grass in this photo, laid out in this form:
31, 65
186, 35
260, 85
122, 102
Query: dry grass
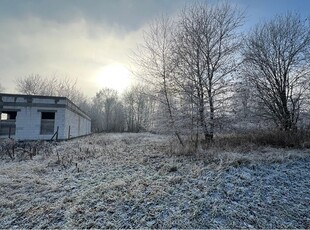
142, 181
259, 138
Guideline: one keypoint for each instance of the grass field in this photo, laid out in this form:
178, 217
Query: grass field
143, 181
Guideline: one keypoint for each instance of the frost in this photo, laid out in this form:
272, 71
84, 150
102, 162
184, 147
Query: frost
134, 181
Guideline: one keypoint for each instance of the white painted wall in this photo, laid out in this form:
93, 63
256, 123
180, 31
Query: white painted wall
28, 123
79, 125
28, 120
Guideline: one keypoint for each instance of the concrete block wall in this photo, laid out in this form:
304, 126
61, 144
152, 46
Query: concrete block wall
78, 124
28, 123
60, 121
29, 109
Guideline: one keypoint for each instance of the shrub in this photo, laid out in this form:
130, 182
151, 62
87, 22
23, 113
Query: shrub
272, 138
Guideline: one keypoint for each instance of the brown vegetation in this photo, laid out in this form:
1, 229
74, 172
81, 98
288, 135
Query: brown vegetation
142, 181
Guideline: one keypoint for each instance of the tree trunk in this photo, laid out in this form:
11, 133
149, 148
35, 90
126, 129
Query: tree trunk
170, 112
203, 119
211, 122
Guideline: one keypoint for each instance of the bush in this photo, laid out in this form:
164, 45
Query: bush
272, 138
7, 148
23, 150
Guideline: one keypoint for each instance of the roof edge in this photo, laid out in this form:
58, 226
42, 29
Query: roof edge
47, 97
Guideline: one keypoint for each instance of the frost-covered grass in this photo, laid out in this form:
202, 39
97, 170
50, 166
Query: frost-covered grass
139, 181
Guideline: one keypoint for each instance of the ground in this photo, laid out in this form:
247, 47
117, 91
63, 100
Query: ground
145, 181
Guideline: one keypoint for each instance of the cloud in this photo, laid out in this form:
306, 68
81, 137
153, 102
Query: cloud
75, 38
129, 14
76, 49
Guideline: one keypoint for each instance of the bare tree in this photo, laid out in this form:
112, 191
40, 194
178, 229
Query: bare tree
191, 62
205, 51
244, 114
277, 64
139, 106
129, 102
107, 111
31, 85
154, 59
36, 84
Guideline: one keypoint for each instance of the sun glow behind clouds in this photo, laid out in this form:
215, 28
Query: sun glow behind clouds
115, 76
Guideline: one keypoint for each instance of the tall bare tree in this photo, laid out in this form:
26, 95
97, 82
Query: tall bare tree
277, 64
205, 51
154, 59
139, 106
191, 62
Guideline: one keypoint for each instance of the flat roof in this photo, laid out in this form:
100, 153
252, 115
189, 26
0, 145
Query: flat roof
69, 104
31, 96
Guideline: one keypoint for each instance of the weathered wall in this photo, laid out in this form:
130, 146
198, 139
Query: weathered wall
77, 123
28, 119
28, 123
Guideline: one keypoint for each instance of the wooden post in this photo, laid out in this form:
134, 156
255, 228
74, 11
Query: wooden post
69, 132
57, 133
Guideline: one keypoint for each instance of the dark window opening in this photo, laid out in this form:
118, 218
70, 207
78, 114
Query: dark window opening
47, 123
8, 123
48, 115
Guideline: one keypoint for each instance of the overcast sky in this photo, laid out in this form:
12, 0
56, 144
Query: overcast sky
91, 39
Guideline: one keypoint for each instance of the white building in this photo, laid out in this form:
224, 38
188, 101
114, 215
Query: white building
31, 117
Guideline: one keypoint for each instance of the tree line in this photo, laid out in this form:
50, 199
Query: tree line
201, 74
210, 77
110, 112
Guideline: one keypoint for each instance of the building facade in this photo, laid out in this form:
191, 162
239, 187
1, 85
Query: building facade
32, 117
